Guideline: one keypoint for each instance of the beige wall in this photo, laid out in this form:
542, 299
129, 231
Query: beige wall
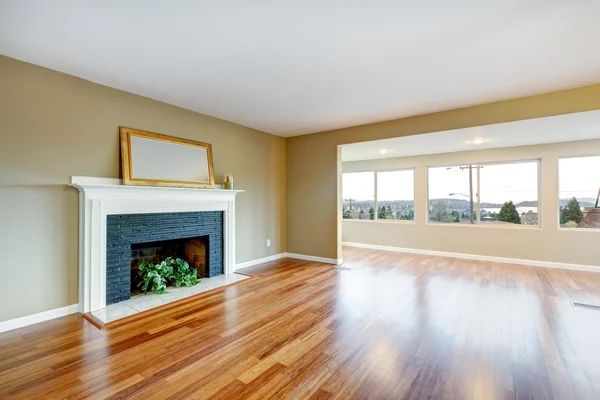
548, 243
53, 126
312, 170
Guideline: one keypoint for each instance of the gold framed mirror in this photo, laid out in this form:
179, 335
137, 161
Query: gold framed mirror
153, 159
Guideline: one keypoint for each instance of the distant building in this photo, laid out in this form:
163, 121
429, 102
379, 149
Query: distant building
591, 218
529, 218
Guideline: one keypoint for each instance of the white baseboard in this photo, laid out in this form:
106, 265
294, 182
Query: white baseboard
316, 259
252, 263
533, 263
39, 317
274, 257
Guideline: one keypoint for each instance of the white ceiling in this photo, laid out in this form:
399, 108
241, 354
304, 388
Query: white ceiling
301, 66
562, 128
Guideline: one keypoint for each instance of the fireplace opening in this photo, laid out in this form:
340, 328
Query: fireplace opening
194, 250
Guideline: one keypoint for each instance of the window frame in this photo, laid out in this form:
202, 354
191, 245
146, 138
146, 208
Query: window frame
557, 194
375, 183
374, 196
477, 196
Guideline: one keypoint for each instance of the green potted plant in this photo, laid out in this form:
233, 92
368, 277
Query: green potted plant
170, 271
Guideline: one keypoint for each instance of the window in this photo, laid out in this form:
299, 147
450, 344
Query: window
392, 195
396, 195
452, 194
486, 194
579, 188
358, 194
506, 187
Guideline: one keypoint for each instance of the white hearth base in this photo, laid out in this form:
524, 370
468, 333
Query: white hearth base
144, 302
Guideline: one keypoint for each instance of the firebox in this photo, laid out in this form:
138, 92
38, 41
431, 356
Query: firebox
193, 250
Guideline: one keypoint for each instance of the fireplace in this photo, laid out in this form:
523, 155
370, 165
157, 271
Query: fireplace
131, 238
113, 217
193, 250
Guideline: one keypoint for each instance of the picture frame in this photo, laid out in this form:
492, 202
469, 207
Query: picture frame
154, 159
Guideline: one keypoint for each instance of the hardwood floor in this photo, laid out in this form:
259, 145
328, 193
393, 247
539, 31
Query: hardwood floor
394, 326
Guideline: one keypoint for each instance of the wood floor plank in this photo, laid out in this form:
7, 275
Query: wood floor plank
391, 325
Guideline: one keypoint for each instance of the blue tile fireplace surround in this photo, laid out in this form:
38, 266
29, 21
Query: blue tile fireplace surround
123, 230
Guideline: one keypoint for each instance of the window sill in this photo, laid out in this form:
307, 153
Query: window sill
486, 226
596, 230
383, 221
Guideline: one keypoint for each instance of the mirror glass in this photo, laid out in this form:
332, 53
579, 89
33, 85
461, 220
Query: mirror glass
167, 161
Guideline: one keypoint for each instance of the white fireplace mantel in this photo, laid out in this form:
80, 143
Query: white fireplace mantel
99, 197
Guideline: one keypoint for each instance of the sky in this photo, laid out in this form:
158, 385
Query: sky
579, 177
518, 182
499, 183
393, 185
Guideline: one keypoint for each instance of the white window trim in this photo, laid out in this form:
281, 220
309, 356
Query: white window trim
382, 221
560, 228
486, 226
385, 221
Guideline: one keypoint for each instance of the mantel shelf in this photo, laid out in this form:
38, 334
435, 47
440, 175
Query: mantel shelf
94, 183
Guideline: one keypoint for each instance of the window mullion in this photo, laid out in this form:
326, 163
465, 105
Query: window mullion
375, 197
478, 194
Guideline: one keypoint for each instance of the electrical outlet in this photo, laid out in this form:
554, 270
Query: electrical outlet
268, 242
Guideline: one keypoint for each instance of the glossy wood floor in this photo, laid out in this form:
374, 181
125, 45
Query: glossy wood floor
394, 326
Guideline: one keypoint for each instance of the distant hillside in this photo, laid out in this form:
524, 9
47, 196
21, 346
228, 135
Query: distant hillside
463, 204
583, 202
527, 204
